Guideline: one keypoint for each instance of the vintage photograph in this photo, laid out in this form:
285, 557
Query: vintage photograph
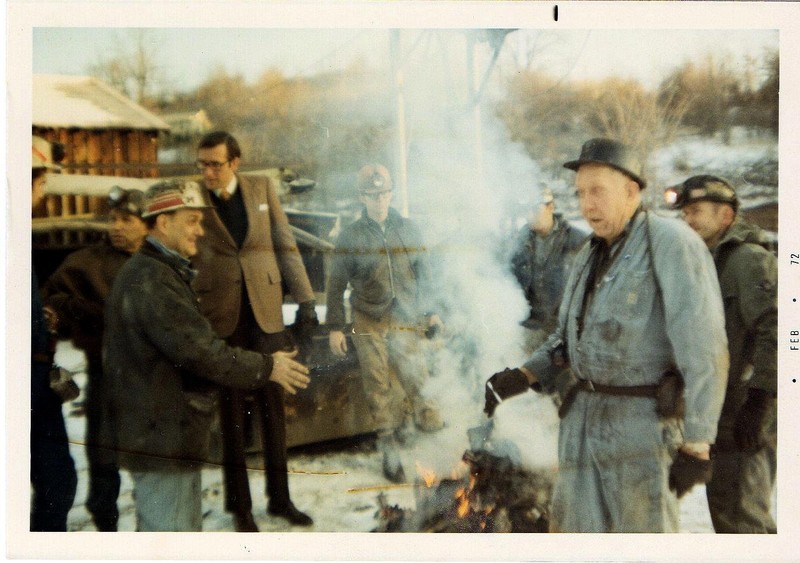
367, 277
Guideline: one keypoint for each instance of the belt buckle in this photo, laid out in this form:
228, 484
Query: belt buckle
591, 385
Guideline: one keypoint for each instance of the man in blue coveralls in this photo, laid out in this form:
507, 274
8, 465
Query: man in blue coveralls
641, 325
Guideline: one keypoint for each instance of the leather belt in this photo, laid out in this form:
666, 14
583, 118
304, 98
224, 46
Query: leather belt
619, 390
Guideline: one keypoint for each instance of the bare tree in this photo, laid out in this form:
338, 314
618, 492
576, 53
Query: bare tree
710, 87
131, 66
623, 110
768, 93
545, 115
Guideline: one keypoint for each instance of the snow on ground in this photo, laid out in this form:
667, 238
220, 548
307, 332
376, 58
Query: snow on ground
738, 162
701, 155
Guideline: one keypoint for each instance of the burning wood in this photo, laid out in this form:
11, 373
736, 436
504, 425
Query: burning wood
495, 496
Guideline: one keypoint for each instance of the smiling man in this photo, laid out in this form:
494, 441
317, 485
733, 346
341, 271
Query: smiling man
631, 441
163, 362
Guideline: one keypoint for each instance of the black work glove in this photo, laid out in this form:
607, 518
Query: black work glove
305, 323
503, 385
687, 471
752, 422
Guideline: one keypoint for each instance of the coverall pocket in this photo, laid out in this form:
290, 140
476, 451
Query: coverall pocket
633, 294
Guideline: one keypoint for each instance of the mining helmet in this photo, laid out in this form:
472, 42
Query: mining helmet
611, 153
43, 153
373, 178
131, 201
701, 188
171, 195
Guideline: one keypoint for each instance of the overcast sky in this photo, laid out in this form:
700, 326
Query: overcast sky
188, 56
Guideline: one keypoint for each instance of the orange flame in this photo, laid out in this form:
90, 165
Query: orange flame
463, 503
428, 475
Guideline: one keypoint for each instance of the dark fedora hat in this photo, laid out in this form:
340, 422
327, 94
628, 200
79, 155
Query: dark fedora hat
611, 153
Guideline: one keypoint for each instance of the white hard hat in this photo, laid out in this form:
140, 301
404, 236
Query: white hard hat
42, 154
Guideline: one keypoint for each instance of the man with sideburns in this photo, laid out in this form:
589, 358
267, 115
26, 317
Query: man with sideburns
163, 362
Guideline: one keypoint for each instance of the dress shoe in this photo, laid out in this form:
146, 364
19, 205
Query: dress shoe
290, 513
244, 522
105, 524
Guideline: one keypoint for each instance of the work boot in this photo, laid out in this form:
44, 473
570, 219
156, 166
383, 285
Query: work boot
392, 464
243, 522
290, 513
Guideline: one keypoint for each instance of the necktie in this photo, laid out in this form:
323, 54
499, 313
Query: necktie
224, 195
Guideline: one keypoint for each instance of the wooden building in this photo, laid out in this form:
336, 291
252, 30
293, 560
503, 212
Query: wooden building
103, 132
105, 135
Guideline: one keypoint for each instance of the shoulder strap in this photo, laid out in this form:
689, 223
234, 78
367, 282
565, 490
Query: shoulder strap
649, 236
655, 270
652, 253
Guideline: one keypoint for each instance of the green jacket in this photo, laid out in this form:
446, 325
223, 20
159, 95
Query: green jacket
748, 278
163, 362
387, 270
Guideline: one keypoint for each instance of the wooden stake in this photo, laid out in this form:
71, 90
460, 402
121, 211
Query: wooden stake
382, 487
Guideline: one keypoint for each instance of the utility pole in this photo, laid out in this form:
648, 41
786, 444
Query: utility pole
473, 93
401, 154
476, 86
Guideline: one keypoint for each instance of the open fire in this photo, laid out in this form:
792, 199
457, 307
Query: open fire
486, 493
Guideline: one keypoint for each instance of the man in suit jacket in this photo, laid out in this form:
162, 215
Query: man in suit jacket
248, 249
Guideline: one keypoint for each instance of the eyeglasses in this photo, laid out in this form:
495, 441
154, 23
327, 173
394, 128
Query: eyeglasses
375, 196
215, 166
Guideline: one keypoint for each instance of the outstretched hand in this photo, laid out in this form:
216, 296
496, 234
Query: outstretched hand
338, 343
288, 373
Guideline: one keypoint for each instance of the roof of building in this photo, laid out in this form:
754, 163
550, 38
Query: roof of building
88, 103
196, 114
